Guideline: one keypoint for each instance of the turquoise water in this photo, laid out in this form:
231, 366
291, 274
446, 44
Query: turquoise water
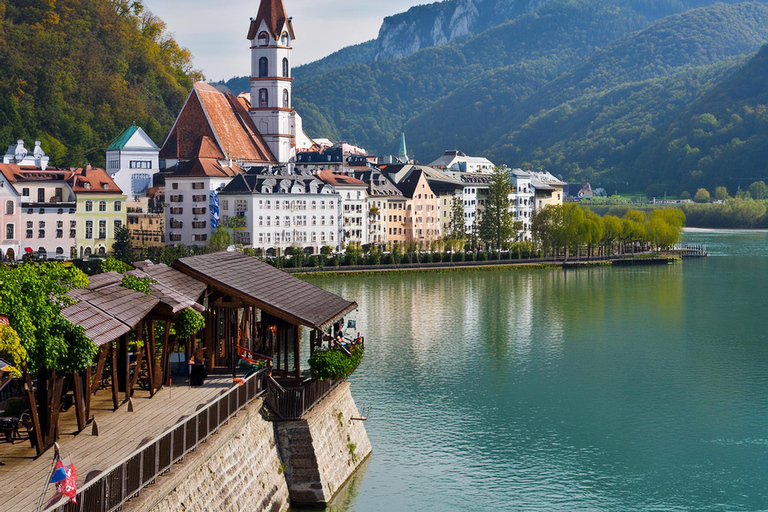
626, 389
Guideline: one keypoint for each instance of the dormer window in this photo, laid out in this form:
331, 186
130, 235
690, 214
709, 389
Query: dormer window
105, 186
87, 186
284, 40
263, 39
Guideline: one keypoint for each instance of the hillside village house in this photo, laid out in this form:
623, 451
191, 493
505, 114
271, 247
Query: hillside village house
100, 211
354, 206
422, 208
279, 212
548, 189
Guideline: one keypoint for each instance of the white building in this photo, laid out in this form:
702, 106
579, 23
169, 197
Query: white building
473, 196
279, 212
132, 161
191, 192
271, 36
21, 156
522, 198
354, 206
456, 161
10, 214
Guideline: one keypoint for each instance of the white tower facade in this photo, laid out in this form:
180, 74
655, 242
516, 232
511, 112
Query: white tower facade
271, 36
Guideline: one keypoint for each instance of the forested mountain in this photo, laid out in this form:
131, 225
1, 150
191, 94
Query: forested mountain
591, 89
75, 73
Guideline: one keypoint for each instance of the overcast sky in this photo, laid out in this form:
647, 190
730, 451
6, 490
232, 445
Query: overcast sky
215, 31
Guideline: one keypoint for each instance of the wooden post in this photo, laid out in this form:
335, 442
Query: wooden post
88, 372
79, 402
163, 380
115, 399
150, 356
297, 351
99, 368
37, 442
135, 378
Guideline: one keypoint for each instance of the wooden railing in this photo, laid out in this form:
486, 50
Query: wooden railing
291, 403
112, 488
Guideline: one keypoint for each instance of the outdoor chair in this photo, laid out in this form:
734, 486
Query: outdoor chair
15, 414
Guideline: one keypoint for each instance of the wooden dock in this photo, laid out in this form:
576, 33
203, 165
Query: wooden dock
23, 477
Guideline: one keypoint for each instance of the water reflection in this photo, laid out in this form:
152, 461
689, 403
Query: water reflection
628, 389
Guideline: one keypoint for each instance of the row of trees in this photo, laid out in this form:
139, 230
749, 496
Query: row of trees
757, 190
562, 229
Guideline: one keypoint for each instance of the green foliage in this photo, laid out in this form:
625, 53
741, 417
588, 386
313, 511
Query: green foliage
137, 284
457, 229
237, 222
219, 240
702, 196
334, 363
12, 349
114, 265
76, 73
721, 194
758, 190
32, 297
496, 220
188, 323
122, 249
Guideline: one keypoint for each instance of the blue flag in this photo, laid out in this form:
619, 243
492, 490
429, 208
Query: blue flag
59, 474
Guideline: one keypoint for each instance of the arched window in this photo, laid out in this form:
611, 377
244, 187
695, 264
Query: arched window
263, 98
285, 68
286, 99
284, 39
263, 67
263, 39
9, 207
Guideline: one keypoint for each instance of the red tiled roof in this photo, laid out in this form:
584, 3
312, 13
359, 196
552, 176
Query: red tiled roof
10, 171
221, 117
208, 149
272, 12
92, 180
333, 178
4, 320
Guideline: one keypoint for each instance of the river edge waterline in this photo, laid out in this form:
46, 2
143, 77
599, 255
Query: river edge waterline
600, 389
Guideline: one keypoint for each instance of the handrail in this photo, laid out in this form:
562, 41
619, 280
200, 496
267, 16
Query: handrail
113, 487
294, 402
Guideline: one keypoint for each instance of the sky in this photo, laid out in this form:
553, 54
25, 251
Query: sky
215, 31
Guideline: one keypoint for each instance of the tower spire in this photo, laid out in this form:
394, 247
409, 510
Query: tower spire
403, 150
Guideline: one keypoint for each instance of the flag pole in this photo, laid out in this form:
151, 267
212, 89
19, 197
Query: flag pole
48, 478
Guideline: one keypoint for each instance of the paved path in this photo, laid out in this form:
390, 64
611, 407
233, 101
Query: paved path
22, 479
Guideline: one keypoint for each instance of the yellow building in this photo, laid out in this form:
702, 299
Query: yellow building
548, 190
101, 211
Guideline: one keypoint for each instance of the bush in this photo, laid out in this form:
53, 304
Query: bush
481, 256
188, 323
312, 261
334, 363
469, 256
388, 259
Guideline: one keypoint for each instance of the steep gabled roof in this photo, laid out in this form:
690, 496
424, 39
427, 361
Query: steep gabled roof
94, 181
272, 13
222, 118
123, 138
333, 178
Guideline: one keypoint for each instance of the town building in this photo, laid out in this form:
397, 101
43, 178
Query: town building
522, 199
473, 196
191, 188
277, 212
100, 211
456, 161
354, 206
422, 208
548, 189
146, 221
132, 161
386, 206
340, 157
10, 213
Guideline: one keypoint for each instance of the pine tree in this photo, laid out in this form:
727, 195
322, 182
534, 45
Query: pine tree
457, 229
123, 246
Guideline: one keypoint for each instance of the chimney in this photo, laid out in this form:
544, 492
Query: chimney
86, 169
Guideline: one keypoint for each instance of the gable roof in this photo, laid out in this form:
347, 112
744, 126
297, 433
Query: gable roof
175, 290
92, 180
333, 178
124, 138
270, 289
221, 117
271, 12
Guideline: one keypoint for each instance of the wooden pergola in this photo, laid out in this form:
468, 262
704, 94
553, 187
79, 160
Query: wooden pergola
254, 307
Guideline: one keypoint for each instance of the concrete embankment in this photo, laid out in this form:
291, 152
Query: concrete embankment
253, 464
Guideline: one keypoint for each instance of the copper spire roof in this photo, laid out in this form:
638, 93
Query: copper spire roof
271, 12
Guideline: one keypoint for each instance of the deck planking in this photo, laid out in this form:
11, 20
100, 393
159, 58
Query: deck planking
23, 477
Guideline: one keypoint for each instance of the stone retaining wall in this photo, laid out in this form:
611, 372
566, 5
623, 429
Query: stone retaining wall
323, 450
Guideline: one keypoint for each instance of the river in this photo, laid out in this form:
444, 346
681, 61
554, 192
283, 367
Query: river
601, 389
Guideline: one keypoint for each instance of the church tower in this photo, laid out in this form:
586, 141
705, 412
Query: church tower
271, 36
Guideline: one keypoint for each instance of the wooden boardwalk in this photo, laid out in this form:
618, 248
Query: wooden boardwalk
22, 478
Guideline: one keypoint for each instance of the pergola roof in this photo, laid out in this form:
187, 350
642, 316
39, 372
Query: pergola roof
270, 289
174, 289
109, 312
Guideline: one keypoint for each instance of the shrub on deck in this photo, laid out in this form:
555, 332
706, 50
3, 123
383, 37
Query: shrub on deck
335, 363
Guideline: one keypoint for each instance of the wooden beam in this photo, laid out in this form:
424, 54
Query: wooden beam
164, 373
37, 442
137, 370
88, 372
297, 351
79, 402
99, 368
115, 399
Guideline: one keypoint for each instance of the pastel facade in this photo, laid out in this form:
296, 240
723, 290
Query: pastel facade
354, 206
101, 210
